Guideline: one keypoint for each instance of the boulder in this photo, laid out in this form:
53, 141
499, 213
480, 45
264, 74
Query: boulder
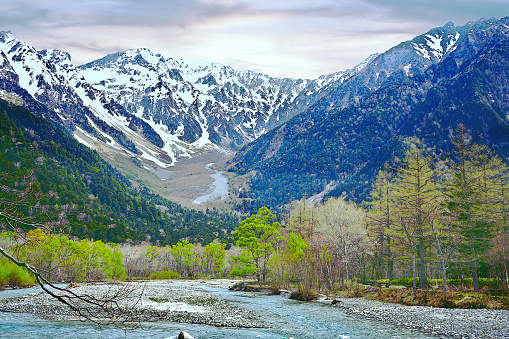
182, 335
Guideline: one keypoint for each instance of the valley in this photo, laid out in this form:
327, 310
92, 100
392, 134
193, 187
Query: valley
186, 181
388, 180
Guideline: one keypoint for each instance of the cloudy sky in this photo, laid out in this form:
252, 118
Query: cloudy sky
294, 38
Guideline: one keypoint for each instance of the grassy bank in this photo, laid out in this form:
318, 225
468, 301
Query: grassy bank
397, 294
432, 297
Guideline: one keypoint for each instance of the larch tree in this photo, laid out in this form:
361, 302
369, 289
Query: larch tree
472, 199
418, 205
380, 220
302, 219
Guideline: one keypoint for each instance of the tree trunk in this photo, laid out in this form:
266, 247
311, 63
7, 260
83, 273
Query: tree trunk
444, 265
414, 274
475, 277
390, 267
444, 276
423, 280
505, 280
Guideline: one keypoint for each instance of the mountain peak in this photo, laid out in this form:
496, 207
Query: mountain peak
56, 56
145, 53
5, 36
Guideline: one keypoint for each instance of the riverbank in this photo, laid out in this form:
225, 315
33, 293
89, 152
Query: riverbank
455, 323
451, 322
186, 302
148, 302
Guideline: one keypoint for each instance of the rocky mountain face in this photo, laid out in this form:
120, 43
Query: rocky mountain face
160, 109
154, 108
299, 136
438, 80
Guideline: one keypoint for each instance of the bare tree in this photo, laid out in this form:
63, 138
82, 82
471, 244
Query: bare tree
343, 224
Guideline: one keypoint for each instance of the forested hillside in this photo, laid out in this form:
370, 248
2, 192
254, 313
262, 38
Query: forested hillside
348, 146
98, 201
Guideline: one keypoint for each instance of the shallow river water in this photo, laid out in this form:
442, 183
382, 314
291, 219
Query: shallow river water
287, 318
218, 189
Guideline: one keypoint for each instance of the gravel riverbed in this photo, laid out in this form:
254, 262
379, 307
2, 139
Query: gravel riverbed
185, 302
148, 302
455, 323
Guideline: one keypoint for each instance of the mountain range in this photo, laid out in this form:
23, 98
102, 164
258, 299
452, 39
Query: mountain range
155, 108
288, 137
335, 150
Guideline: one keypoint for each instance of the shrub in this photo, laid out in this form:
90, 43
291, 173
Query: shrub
14, 276
405, 281
162, 275
490, 283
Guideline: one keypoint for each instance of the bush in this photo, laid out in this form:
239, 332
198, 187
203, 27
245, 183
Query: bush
14, 276
162, 275
243, 272
490, 283
405, 281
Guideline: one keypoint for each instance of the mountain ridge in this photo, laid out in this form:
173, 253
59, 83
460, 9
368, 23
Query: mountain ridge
98, 201
346, 146
138, 91
161, 110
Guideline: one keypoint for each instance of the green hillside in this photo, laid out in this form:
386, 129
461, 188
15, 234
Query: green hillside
103, 206
348, 146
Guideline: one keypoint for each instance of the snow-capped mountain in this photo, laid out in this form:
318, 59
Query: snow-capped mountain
154, 108
160, 109
421, 88
48, 79
203, 103
200, 103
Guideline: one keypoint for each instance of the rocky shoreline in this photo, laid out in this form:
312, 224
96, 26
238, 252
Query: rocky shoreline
450, 322
160, 301
185, 302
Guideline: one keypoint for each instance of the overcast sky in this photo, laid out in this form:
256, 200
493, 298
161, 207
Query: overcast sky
292, 38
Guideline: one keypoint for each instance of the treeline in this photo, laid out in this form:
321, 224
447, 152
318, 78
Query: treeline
348, 146
99, 202
183, 259
59, 259
433, 216
447, 216
435, 219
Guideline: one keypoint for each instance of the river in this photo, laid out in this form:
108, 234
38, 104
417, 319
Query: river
218, 189
287, 318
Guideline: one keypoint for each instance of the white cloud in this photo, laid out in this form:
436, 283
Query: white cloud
299, 38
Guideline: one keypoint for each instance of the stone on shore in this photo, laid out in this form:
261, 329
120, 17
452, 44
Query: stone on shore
182, 335
160, 301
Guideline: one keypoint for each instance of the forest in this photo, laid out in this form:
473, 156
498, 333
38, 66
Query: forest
434, 221
349, 145
98, 201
